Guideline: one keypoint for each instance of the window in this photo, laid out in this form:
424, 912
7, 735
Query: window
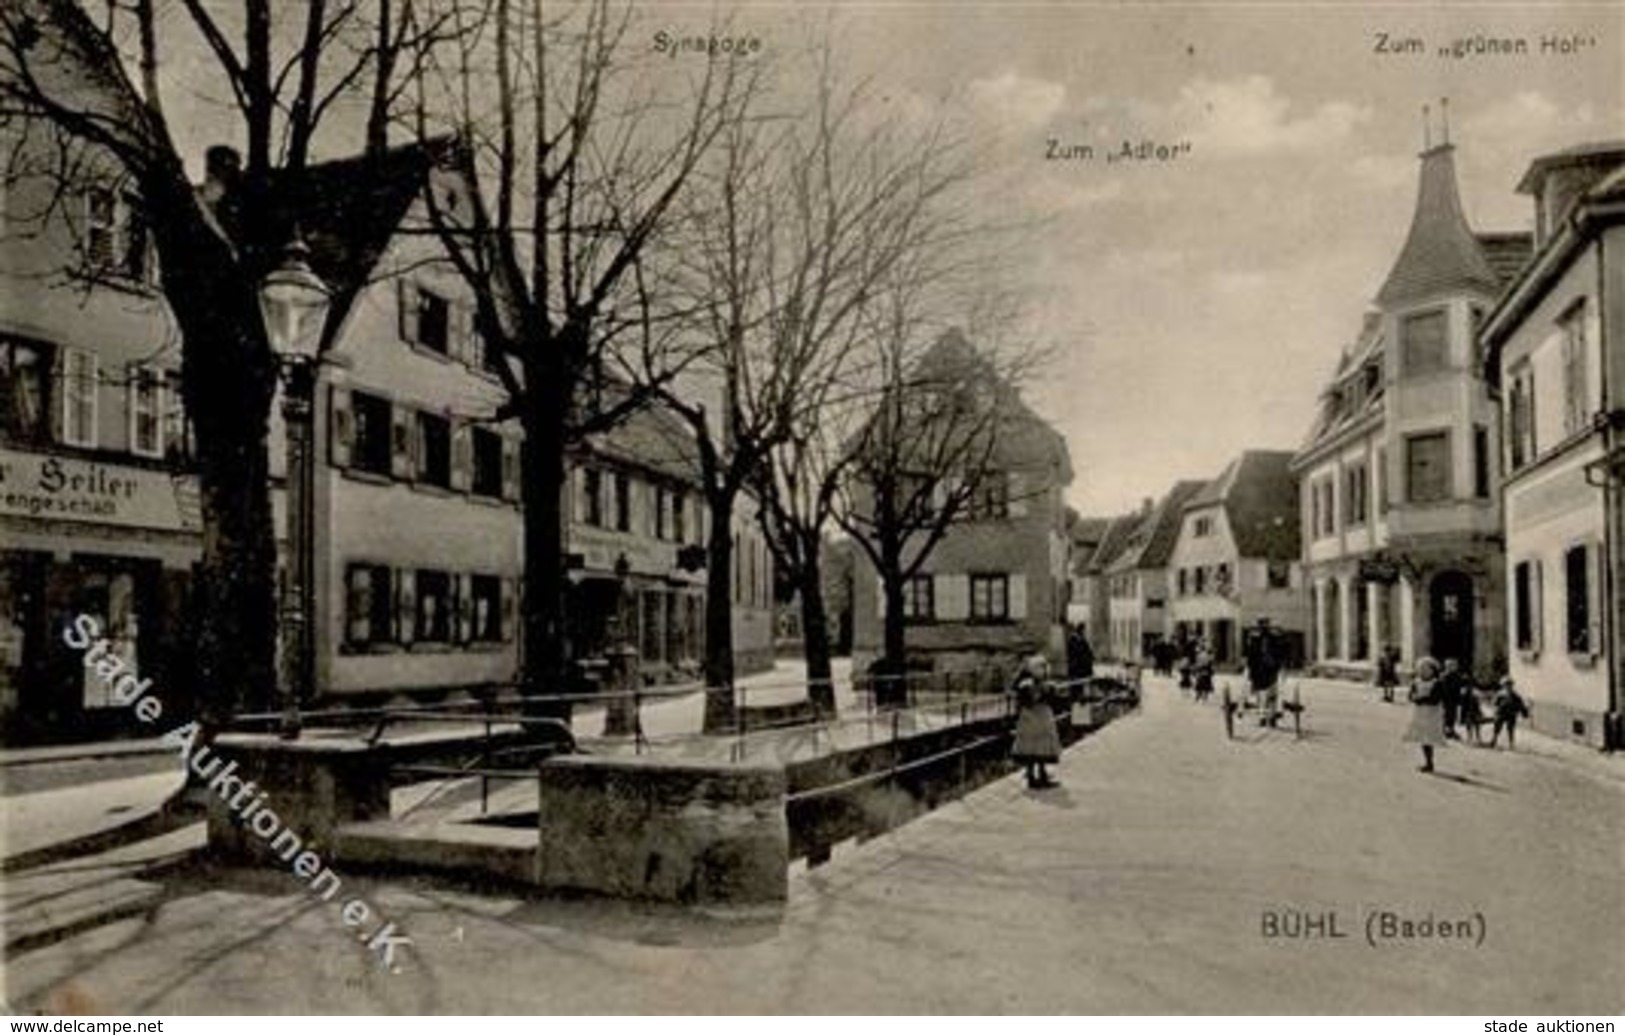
368, 604
487, 480
1278, 574
1576, 404
1184, 581
79, 376
434, 321
1221, 580
1580, 585
661, 502
679, 515
989, 598
1481, 462
180, 445
1526, 605
485, 609
1427, 467
1322, 500
1382, 480
1356, 479
1521, 417
592, 497
990, 500
373, 446
25, 387
919, 599
146, 411
115, 236
434, 457
623, 502
1203, 527
1424, 342
435, 607
1201, 580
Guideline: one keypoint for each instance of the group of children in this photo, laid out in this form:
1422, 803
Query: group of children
1457, 702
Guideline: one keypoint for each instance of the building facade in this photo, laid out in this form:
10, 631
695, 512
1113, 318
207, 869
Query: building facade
1399, 483
1091, 587
1557, 343
1139, 581
994, 588
1237, 561
98, 511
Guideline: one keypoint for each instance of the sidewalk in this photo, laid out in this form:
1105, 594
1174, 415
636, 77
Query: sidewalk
81, 752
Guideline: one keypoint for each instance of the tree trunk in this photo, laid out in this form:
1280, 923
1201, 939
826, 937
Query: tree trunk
544, 674
892, 690
815, 645
719, 636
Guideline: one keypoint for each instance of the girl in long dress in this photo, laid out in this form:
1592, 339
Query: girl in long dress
1036, 743
1427, 711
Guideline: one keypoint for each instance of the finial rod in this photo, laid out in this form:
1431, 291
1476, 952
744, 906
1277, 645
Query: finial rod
1427, 128
1444, 118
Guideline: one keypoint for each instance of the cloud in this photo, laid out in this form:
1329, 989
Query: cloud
1248, 116
1526, 110
1012, 98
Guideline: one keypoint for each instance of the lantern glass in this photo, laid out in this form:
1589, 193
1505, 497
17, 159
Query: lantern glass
294, 303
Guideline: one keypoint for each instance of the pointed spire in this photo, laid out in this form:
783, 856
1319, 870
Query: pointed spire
1441, 253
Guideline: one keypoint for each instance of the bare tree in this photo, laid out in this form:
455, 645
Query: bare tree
100, 84
801, 216
581, 161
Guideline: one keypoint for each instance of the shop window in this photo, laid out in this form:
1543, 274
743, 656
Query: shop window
435, 607
373, 447
79, 377
485, 605
434, 450
487, 479
989, 598
369, 598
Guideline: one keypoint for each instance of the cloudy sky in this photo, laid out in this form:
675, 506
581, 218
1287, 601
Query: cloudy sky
1199, 303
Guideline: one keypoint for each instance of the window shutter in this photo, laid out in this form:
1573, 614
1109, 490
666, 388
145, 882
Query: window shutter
1594, 641
406, 609
57, 389
1018, 597
400, 442
1537, 608
457, 330
578, 507
880, 596
463, 603
952, 594
510, 468
462, 457
1016, 488
341, 427
508, 596
358, 603
408, 310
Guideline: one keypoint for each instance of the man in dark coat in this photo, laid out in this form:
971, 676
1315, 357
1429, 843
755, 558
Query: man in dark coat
1264, 672
1452, 685
1080, 658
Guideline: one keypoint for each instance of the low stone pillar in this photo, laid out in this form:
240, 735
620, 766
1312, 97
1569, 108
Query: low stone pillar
621, 716
661, 829
310, 787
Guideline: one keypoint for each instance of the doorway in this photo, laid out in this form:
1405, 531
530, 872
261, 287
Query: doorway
1450, 609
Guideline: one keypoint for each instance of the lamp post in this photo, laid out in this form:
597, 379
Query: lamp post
293, 304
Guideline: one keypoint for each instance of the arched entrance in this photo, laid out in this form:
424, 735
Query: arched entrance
1450, 610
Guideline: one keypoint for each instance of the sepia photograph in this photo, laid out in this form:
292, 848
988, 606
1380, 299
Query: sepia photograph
854, 507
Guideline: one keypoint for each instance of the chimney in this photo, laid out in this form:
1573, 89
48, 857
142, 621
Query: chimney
1145, 506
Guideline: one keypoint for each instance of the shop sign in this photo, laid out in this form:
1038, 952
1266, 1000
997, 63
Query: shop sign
66, 488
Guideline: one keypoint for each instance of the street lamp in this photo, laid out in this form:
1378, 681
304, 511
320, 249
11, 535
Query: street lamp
294, 303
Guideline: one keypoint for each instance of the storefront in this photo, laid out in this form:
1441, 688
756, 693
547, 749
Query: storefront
112, 540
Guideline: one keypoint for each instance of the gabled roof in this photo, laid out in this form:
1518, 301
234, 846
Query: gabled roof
1260, 495
348, 210
1606, 152
1153, 541
1441, 254
652, 439
1119, 531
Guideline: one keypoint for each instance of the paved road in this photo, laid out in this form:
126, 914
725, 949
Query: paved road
1141, 886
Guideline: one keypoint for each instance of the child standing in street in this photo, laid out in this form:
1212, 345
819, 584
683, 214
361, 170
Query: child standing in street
1036, 743
1509, 706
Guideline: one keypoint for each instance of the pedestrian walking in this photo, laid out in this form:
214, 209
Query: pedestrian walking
1036, 742
1202, 671
1470, 712
1427, 711
1080, 657
1388, 673
1187, 663
1508, 706
1452, 685
1264, 674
